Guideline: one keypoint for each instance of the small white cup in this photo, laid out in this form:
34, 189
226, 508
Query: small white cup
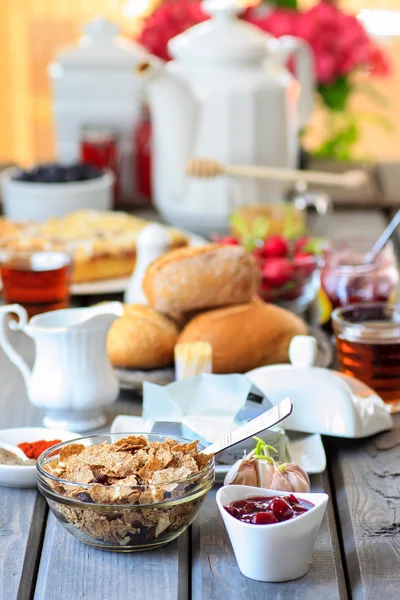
279, 552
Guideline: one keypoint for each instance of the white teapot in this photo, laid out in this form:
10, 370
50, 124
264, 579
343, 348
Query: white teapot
72, 378
227, 96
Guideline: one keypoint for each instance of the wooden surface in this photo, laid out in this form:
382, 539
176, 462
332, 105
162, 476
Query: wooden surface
357, 553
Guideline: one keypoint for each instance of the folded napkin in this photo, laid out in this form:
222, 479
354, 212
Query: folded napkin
210, 405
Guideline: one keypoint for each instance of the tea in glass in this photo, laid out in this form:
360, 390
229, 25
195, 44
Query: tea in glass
39, 280
368, 347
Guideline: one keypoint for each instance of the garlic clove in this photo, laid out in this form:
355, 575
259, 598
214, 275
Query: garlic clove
265, 470
280, 483
243, 472
247, 474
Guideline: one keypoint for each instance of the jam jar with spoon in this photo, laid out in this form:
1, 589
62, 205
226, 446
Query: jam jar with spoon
348, 277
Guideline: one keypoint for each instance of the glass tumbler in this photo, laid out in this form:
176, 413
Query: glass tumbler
368, 346
39, 280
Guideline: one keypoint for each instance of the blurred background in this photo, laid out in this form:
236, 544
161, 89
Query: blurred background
33, 31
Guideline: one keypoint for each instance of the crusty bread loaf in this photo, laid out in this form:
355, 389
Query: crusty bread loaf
245, 337
208, 276
141, 339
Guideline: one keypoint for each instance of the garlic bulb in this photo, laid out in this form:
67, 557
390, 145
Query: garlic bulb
259, 469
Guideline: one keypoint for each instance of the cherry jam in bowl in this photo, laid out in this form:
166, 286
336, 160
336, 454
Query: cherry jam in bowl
272, 533
261, 510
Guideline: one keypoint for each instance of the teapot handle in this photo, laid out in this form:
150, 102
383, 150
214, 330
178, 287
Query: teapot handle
22, 323
305, 73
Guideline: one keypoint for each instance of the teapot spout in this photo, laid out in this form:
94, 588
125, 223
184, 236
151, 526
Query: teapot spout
174, 113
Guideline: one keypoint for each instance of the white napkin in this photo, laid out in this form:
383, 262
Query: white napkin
206, 404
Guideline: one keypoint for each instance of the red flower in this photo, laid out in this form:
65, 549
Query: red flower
166, 22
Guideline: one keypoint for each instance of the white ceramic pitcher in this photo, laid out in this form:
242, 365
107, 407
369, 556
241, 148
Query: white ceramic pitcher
72, 378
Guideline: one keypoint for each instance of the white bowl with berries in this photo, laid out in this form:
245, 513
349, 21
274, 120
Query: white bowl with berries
290, 267
54, 190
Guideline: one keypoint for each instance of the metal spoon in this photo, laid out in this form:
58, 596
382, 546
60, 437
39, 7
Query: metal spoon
383, 238
268, 419
15, 450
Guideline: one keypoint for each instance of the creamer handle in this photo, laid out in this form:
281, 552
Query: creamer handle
304, 71
22, 323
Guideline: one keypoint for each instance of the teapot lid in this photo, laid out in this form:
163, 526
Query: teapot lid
101, 46
223, 37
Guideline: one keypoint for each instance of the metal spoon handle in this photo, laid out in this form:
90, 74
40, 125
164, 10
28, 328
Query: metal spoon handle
384, 237
268, 419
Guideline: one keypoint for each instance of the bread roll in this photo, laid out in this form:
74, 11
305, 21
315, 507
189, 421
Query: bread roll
245, 337
141, 339
192, 279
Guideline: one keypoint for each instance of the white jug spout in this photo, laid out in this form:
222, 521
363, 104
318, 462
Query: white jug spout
22, 324
174, 114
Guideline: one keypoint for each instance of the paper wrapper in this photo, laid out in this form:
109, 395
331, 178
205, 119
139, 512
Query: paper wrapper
206, 408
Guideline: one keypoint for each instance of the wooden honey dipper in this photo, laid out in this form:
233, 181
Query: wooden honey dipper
207, 168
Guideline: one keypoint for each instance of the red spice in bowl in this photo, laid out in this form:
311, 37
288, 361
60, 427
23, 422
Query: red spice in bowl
34, 449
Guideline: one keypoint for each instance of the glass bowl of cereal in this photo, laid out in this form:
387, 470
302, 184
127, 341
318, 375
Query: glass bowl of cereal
125, 492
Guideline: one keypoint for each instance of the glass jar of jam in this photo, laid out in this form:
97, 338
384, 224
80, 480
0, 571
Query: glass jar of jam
142, 165
346, 278
99, 147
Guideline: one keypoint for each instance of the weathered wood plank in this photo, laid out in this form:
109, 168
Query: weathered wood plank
215, 573
366, 480
19, 509
22, 512
70, 569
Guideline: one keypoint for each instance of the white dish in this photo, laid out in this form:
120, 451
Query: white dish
306, 450
279, 552
29, 201
105, 286
20, 476
325, 402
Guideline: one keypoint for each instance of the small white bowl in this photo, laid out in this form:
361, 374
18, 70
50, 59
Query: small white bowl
30, 201
273, 553
20, 476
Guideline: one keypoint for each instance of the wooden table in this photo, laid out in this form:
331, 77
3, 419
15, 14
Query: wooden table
357, 554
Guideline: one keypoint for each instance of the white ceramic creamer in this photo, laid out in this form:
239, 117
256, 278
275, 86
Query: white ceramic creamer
227, 96
72, 378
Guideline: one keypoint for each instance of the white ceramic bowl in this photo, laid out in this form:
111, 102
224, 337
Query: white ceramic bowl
19, 476
272, 553
25, 200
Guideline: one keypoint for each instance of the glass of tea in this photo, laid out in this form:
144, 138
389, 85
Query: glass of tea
368, 347
39, 280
